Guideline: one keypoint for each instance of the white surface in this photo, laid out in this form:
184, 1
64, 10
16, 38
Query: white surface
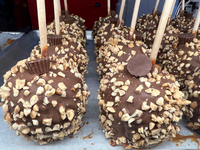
4, 36
9, 140
89, 35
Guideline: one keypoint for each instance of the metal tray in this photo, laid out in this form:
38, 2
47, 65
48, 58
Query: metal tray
18, 50
90, 136
7, 38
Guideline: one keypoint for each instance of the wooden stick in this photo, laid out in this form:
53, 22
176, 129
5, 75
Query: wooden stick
170, 15
155, 8
183, 7
42, 26
196, 24
59, 8
134, 19
108, 3
121, 12
160, 30
56, 16
66, 7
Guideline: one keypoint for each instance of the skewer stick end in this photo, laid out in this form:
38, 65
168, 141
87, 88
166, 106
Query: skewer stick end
154, 13
182, 12
194, 33
153, 61
131, 34
45, 51
168, 21
109, 13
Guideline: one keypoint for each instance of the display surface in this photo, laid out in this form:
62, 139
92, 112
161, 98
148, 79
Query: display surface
90, 136
7, 38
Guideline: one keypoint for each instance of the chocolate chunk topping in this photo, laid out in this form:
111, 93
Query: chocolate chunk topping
183, 23
66, 13
113, 20
46, 102
158, 13
38, 66
113, 13
138, 36
54, 39
139, 65
131, 107
188, 15
185, 38
69, 20
63, 12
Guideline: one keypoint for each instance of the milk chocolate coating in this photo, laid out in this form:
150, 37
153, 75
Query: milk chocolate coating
192, 91
107, 20
44, 107
183, 23
147, 25
114, 19
147, 22
183, 61
105, 32
109, 30
80, 21
169, 41
54, 39
186, 38
69, 20
71, 52
139, 65
198, 32
188, 15
188, 77
169, 38
138, 111
45, 99
118, 51
138, 36
74, 19
69, 32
